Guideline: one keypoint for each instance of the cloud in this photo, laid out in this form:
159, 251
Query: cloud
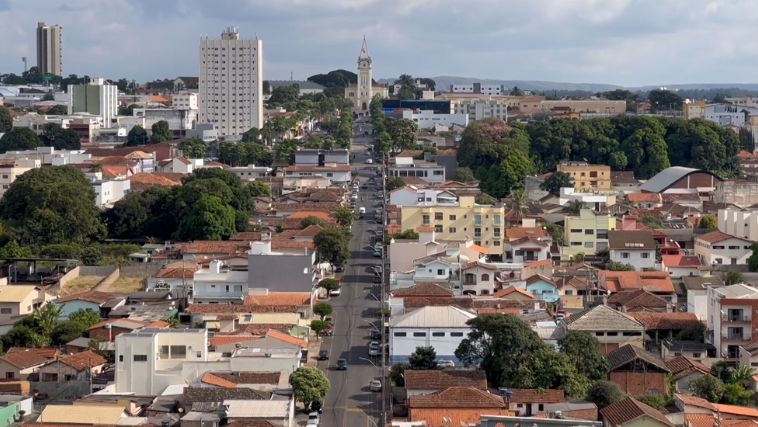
606, 41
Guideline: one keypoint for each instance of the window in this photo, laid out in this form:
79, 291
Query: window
9, 375
589, 232
456, 334
451, 217
496, 243
438, 216
438, 228
477, 232
645, 255
625, 255
140, 358
612, 334
438, 334
425, 219
120, 357
602, 234
6, 310
695, 355
477, 220
485, 277
589, 245
419, 334
451, 230
440, 272
576, 230
677, 354
496, 231
576, 243
399, 334
163, 352
496, 219
178, 352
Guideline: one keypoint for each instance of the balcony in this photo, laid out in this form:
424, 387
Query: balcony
732, 318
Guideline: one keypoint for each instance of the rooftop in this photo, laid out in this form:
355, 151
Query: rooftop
668, 177
668, 321
457, 397
532, 395
602, 318
717, 236
16, 293
630, 240
442, 379
433, 316
630, 409
629, 353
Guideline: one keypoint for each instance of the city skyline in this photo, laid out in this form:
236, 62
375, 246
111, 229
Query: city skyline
622, 42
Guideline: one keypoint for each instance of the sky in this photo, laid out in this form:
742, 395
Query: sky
624, 42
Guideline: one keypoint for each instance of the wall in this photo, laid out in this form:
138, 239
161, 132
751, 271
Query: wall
434, 416
402, 347
635, 258
110, 278
639, 383
68, 277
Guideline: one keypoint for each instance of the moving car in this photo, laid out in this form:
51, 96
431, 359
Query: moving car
369, 161
445, 363
341, 364
375, 385
323, 355
361, 212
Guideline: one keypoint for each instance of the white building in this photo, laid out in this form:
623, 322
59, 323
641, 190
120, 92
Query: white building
96, 98
478, 278
589, 200
484, 89
730, 317
634, 247
219, 284
335, 174
250, 172
441, 327
108, 192
231, 83
430, 172
411, 196
149, 360
184, 101
428, 119
717, 247
739, 222
728, 115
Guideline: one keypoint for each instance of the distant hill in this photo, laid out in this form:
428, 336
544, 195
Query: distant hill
444, 82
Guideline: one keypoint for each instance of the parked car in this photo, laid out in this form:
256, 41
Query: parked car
323, 355
369, 161
316, 406
377, 253
335, 292
375, 385
376, 335
341, 364
314, 418
339, 269
443, 363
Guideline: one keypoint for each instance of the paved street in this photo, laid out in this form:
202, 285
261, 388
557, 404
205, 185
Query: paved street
350, 403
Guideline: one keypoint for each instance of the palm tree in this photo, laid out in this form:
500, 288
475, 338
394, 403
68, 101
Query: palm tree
741, 375
518, 202
46, 318
574, 206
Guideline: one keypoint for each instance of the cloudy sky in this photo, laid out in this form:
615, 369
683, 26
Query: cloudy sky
622, 42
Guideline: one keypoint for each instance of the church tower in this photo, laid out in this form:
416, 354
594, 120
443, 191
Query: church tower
365, 93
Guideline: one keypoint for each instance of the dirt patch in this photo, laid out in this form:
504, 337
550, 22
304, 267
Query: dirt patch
124, 285
80, 284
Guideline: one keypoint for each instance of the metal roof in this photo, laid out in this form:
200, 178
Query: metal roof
433, 317
667, 177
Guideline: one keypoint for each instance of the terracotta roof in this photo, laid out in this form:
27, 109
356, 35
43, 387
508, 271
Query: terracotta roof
681, 366
602, 318
211, 379
538, 264
653, 281
280, 298
214, 247
690, 400
457, 397
513, 289
424, 229
477, 248
83, 360
515, 233
680, 261
305, 214
47, 352
120, 323
423, 289
630, 409
669, 321
239, 308
717, 236
291, 244
443, 379
643, 197
212, 394
218, 340
95, 297
539, 241
537, 277
250, 422
475, 264
24, 358
636, 299
629, 353
141, 181
533, 395
287, 338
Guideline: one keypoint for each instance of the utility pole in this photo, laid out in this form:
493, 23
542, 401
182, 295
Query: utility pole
383, 293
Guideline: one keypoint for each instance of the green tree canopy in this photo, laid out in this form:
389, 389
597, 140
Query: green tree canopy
603, 393
329, 284
332, 246
137, 136
344, 216
193, 149
708, 222
53, 135
708, 387
408, 234
319, 326
52, 205
160, 132
423, 358
322, 310
309, 384
403, 133
209, 218
19, 139
556, 181
584, 349
6, 120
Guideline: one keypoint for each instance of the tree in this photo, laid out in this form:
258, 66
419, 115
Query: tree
160, 132
747, 142
344, 216
312, 220
708, 387
193, 148
319, 326
752, 262
742, 375
619, 266
403, 133
708, 222
733, 277
584, 349
329, 284
322, 309
84, 318
396, 375
662, 100
46, 317
19, 139
484, 199
407, 87
423, 358
309, 384
52, 205
735, 394
464, 174
499, 344
408, 234
57, 110
53, 135
395, 183
332, 246
6, 120
603, 393
136, 136
655, 401
259, 189
696, 332
556, 232
285, 94
209, 218
556, 181
13, 250
23, 335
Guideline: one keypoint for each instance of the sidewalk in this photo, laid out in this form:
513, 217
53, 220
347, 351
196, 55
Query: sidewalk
314, 346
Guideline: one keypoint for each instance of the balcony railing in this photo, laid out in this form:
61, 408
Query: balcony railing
735, 318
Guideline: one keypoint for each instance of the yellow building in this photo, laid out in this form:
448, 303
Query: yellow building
484, 224
586, 233
693, 109
587, 177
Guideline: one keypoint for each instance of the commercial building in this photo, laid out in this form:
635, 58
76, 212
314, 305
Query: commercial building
587, 177
49, 58
484, 89
441, 327
96, 98
429, 172
184, 101
231, 83
427, 120
484, 224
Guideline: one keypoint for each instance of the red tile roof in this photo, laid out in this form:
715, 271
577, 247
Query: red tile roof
668, 321
513, 289
637, 299
652, 281
643, 197
23, 358
717, 236
515, 233
83, 360
681, 367
280, 298
443, 379
218, 340
239, 308
423, 289
272, 333
211, 379
475, 264
629, 409
457, 397
680, 261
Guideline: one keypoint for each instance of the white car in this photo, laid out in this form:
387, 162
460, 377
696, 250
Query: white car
369, 161
335, 292
445, 364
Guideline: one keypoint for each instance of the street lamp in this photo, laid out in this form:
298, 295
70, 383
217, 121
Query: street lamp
371, 323
369, 361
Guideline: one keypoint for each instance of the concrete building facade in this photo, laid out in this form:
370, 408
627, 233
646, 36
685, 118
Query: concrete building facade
96, 98
49, 58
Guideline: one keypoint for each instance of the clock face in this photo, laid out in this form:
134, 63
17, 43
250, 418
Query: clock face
363, 64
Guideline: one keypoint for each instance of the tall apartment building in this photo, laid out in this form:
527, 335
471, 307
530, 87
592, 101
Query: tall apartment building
485, 89
49, 59
231, 83
587, 177
96, 98
586, 233
732, 318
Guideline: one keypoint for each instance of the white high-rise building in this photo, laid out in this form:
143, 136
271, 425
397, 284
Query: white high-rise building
230, 83
95, 98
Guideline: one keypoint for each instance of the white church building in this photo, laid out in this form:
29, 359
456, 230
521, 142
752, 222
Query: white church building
361, 93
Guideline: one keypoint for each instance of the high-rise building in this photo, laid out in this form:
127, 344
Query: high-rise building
49, 60
231, 83
95, 98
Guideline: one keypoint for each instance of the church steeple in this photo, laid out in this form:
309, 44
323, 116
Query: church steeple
364, 51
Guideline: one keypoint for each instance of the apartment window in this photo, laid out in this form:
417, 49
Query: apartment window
451, 230
589, 245
485, 277
425, 219
602, 233
576, 230
451, 217
695, 355
419, 334
612, 334
140, 358
9, 375
400, 334
6, 311
496, 243
440, 272
438, 228
589, 232
576, 243
456, 334
632, 334
477, 232
625, 255
645, 255
438, 334
477, 220
496, 231
438, 216
120, 357
496, 219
